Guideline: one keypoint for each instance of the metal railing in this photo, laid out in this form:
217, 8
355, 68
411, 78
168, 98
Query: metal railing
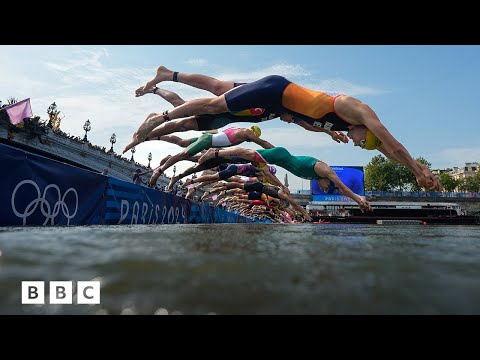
423, 194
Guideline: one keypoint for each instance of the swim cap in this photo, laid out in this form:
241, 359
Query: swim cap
371, 141
256, 130
272, 169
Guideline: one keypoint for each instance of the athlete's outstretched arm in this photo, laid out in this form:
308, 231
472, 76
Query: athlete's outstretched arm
336, 135
325, 171
358, 113
272, 179
263, 143
296, 206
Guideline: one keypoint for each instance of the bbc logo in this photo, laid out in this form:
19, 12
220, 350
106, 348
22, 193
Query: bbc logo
61, 292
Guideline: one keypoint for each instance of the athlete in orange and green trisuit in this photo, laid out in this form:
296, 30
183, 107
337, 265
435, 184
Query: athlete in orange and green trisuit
314, 108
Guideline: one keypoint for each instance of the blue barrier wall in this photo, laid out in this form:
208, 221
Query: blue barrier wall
36, 190
128, 203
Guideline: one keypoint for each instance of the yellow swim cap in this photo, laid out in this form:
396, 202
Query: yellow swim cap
256, 130
371, 142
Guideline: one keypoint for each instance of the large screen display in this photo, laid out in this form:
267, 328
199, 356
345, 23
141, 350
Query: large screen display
352, 176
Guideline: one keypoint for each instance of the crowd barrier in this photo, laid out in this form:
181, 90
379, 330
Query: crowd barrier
36, 190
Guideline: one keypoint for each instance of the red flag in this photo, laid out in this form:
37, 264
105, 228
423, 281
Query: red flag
19, 111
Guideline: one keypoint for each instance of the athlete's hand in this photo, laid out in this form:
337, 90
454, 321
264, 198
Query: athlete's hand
338, 136
427, 180
288, 118
309, 218
364, 205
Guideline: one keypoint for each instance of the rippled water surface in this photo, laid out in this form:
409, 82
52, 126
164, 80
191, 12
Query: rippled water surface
249, 268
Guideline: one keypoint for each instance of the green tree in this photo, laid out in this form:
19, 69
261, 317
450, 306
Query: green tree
395, 175
471, 184
405, 178
477, 179
375, 179
448, 181
462, 185
382, 174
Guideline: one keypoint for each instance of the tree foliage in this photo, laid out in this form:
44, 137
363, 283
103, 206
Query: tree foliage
471, 183
375, 174
448, 181
382, 174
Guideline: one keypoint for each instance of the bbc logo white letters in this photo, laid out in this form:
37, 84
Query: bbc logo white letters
61, 292
33, 292
88, 292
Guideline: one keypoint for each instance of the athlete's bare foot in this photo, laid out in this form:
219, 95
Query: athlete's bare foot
208, 155
163, 74
172, 182
156, 174
140, 91
133, 143
147, 126
188, 182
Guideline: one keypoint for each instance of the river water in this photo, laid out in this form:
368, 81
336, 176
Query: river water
247, 268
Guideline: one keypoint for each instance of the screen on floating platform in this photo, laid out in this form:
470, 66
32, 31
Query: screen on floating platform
351, 176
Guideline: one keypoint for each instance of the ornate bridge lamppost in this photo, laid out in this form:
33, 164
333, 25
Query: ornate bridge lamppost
133, 152
113, 140
149, 158
87, 128
174, 170
52, 113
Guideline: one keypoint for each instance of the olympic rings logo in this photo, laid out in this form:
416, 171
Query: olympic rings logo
48, 211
